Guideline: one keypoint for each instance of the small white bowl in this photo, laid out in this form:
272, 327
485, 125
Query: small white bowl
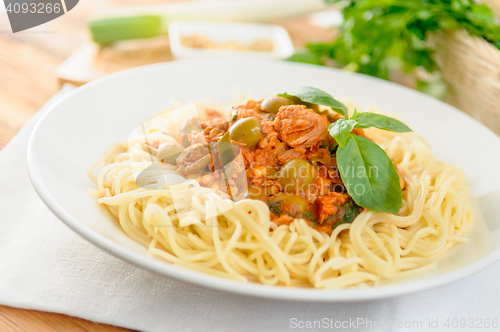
221, 32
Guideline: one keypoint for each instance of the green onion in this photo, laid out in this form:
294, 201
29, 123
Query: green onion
105, 30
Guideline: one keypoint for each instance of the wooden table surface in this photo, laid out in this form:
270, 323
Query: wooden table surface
28, 61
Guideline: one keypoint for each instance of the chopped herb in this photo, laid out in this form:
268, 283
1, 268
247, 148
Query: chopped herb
323, 146
339, 223
333, 147
346, 214
310, 216
351, 211
234, 113
274, 206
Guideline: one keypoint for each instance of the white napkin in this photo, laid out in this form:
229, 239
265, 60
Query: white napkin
45, 266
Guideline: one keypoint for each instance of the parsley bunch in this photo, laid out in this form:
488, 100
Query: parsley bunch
380, 35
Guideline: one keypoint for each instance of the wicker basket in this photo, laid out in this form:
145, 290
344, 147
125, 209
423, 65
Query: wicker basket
471, 68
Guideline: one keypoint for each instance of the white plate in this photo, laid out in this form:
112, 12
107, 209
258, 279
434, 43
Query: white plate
76, 131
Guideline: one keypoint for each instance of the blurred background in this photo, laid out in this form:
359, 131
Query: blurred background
34, 63
448, 49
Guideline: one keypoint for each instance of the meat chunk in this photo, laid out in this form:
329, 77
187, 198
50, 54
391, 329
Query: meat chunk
270, 147
329, 205
283, 219
246, 113
248, 110
300, 127
321, 186
295, 153
213, 130
248, 157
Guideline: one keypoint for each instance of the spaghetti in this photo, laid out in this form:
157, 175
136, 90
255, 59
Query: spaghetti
239, 241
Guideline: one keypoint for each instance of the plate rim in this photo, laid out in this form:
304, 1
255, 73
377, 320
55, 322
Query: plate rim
185, 275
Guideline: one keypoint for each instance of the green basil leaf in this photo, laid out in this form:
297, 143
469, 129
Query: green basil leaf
305, 57
316, 96
369, 175
341, 129
355, 115
368, 119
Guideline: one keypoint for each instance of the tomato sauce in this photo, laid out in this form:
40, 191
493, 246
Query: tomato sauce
293, 166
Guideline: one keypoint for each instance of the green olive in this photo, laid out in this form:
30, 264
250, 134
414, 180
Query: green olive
290, 204
273, 104
296, 175
168, 152
194, 159
246, 131
272, 172
323, 157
